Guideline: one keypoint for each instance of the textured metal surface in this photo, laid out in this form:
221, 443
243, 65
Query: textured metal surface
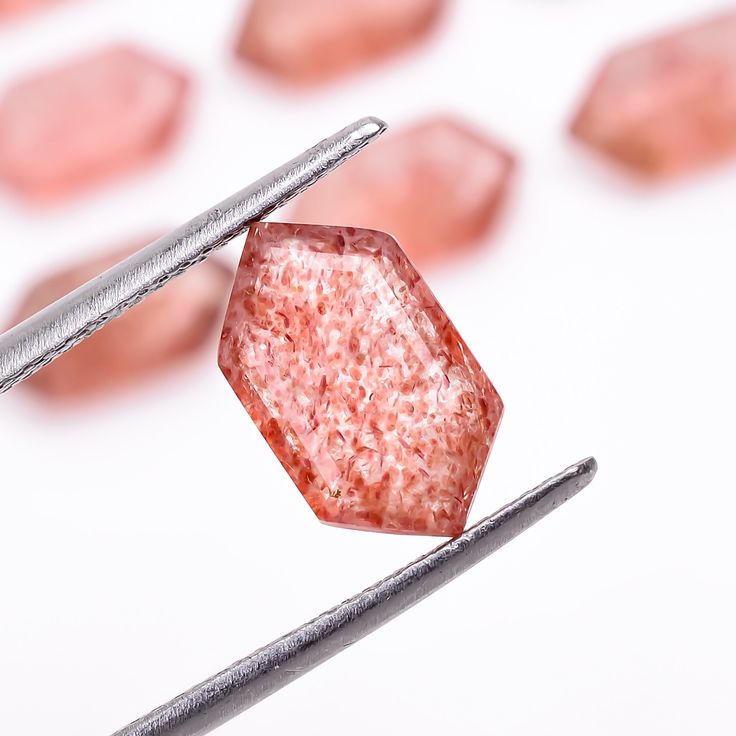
254, 678
46, 335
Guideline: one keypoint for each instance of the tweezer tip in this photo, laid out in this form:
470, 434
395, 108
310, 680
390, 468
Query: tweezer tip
588, 466
369, 127
583, 471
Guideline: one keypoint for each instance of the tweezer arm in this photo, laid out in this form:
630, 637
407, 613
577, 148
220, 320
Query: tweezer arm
46, 335
267, 670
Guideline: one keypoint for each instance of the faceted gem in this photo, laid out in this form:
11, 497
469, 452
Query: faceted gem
168, 326
668, 105
436, 187
84, 121
310, 41
357, 379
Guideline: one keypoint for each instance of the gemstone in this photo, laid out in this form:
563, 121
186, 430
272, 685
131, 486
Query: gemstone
310, 41
357, 379
437, 187
69, 127
16, 7
667, 105
170, 325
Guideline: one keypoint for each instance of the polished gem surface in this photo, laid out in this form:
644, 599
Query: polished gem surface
437, 187
310, 41
357, 379
87, 120
166, 327
668, 105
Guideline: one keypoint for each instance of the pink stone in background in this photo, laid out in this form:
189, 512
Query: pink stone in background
165, 328
11, 8
668, 105
357, 379
436, 187
311, 41
70, 127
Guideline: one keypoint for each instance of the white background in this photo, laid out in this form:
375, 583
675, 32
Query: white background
151, 540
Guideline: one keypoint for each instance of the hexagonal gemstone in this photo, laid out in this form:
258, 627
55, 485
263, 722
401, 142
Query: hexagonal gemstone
310, 41
437, 187
357, 379
167, 327
86, 120
666, 105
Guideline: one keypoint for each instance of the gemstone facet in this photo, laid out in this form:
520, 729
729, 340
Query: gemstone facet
357, 379
74, 125
668, 105
169, 325
310, 41
436, 187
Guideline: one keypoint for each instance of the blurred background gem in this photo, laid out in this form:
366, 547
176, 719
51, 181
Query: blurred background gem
168, 326
311, 41
357, 379
66, 128
666, 105
437, 186
10, 8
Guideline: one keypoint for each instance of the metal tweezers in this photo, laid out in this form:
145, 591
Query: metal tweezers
46, 335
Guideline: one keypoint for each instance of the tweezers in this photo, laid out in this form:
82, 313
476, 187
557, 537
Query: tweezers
47, 334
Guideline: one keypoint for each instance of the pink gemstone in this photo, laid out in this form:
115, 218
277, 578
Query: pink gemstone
436, 187
310, 41
357, 379
169, 325
69, 127
16, 7
667, 105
